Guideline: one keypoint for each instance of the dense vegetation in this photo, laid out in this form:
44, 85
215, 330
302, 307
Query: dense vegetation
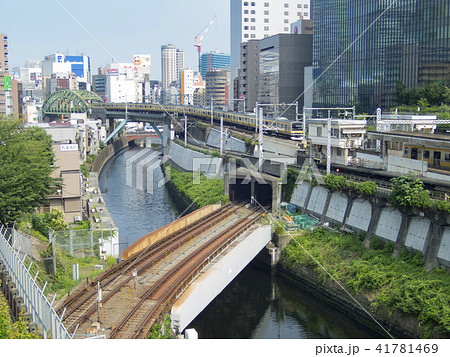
340, 183
8, 329
433, 98
396, 284
197, 187
26, 156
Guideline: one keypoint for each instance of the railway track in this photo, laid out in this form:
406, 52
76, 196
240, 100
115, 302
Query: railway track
80, 308
139, 321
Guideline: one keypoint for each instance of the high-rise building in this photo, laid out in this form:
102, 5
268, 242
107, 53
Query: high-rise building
81, 66
3, 71
180, 63
408, 42
258, 19
4, 53
218, 88
212, 61
168, 65
273, 71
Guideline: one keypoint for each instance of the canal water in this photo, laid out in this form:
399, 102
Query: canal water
255, 304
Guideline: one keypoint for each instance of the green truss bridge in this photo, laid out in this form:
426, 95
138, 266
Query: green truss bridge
69, 101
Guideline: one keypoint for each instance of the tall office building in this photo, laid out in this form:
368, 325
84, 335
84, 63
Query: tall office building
168, 65
218, 88
410, 42
180, 63
212, 61
3, 53
3, 71
258, 19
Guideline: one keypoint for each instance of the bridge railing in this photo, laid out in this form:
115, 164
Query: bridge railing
37, 304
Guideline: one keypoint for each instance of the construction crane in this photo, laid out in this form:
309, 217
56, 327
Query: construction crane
199, 38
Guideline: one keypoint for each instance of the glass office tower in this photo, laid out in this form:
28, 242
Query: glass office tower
360, 51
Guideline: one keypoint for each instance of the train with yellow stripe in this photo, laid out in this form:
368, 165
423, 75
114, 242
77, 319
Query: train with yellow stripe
437, 158
279, 126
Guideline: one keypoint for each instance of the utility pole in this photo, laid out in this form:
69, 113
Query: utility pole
221, 135
260, 140
212, 109
329, 144
185, 130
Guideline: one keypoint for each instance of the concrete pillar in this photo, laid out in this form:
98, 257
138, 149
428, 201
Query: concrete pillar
308, 196
403, 232
226, 181
348, 209
376, 212
325, 208
276, 196
252, 190
166, 134
433, 241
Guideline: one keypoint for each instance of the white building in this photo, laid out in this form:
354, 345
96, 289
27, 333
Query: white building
120, 83
168, 65
346, 137
187, 86
53, 64
258, 19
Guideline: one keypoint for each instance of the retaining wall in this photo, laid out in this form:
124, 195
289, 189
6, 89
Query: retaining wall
167, 230
108, 152
416, 231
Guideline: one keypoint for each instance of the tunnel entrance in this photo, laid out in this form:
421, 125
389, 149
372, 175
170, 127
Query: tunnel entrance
242, 191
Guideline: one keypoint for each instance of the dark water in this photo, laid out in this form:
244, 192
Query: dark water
254, 305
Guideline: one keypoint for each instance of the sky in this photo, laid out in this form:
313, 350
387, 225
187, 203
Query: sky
36, 28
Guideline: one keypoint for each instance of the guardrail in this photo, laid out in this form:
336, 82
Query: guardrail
37, 304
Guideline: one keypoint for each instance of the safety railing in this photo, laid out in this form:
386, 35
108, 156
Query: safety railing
37, 304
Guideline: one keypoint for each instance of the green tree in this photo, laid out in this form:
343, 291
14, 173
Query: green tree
26, 156
409, 192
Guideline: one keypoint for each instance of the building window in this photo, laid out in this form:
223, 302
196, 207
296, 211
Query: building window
253, 11
319, 131
266, 4
245, 11
246, 20
266, 12
253, 35
266, 28
245, 28
286, 5
253, 4
299, 14
253, 19
299, 6
286, 29
266, 20
286, 21
305, 14
266, 36
253, 28
447, 157
246, 35
426, 154
286, 13
245, 3
305, 6
339, 152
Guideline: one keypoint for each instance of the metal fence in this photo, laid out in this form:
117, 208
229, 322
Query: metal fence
37, 304
86, 242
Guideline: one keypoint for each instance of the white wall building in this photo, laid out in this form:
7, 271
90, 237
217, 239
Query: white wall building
120, 83
258, 19
168, 65
187, 86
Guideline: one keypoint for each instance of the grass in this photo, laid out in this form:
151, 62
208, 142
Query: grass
397, 284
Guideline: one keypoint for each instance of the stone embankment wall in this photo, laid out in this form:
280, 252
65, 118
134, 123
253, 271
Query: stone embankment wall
416, 231
108, 152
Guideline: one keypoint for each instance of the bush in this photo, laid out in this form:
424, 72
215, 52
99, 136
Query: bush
409, 192
367, 189
335, 183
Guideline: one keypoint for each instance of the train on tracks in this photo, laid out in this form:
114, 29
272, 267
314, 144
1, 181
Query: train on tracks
275, 126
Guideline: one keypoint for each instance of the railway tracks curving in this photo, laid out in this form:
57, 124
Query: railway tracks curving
80, 308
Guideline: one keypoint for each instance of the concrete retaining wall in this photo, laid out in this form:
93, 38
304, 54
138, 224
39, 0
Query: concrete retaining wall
161, 233
216, 277
416, 232
229, 142
190, 160
108, 152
